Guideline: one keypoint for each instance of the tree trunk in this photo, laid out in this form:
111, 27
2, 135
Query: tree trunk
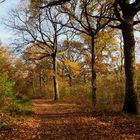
33, 88
40, 82
122, 55
84, 78
56, 91
93, 71
70, 80
130, 101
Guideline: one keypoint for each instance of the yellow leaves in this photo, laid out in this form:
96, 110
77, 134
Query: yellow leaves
35, 3
114, 59
87, 38
102, 39
76, 44
34, 7
36, 51
138, 66
107, 38
73, 66
6, 60
61, 52
101, 67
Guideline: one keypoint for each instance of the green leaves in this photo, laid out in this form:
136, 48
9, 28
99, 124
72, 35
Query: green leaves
6, 85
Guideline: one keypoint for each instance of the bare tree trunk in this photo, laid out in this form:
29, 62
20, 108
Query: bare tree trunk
33, 88
93, 70
40, 82
130, 102
70, 80
122, 55
56, 91
84, 78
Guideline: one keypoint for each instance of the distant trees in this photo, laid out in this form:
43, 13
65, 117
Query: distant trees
6, 75
72, 59
81, 19
40, 32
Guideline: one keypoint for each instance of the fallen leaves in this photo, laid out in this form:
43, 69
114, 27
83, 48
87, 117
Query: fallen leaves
61, 121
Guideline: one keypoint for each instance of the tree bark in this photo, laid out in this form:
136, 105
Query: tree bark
130, 101
40, 82
122, 55
93, 70
33, 88
56, 90
70, 80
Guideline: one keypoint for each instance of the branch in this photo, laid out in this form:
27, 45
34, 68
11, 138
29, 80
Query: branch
136, 22
117, 26
2, 1
136, 6
40, 58
116, 11
55, 3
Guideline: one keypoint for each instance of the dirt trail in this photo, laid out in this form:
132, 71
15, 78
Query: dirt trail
62, 121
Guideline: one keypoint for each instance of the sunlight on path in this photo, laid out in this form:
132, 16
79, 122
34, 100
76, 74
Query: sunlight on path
43, 107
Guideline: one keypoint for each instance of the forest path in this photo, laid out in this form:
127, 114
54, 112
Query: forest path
63, 121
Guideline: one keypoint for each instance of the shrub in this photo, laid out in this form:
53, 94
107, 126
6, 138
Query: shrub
19, 107
6, 90
4, 124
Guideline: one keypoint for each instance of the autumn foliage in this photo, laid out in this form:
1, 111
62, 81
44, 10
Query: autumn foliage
70, 72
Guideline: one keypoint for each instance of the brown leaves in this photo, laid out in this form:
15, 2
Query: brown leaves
64, 121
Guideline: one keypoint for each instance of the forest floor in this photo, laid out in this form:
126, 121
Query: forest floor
64, 121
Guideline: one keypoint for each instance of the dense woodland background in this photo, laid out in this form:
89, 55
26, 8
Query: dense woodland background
79, 52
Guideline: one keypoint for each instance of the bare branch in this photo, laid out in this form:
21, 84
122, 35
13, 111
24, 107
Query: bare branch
136, 22
55, 3
2, 1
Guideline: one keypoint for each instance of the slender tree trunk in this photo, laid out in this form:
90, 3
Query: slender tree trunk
33, 88
40, 82
62, 73
84, 78
70, 81
56, 91
130, 102
93, 71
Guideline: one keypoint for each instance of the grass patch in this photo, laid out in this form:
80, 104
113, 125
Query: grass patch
22, 107
4, 124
